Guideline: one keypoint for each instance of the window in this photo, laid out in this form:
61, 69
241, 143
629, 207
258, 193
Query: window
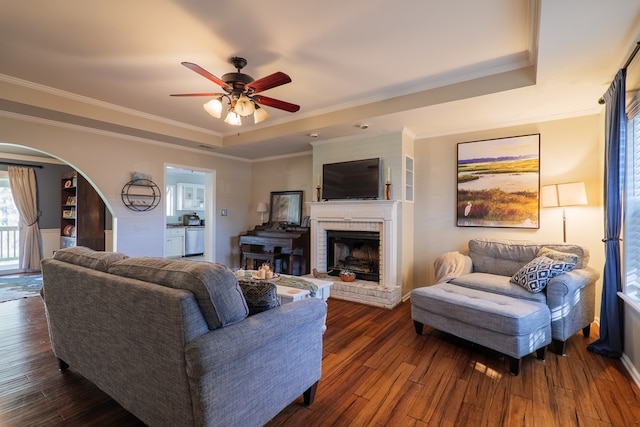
631, 238
9, 226
8, 212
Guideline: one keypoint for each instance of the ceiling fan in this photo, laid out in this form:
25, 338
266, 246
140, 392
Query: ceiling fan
242, 93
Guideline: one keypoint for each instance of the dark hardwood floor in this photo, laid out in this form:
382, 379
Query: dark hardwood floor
376, 371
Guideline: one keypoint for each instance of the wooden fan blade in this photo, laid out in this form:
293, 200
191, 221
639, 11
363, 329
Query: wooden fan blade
204, 73
211, 94
273, 80
276, 103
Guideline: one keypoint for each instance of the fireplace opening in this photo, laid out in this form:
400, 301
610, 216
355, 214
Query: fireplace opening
358, 251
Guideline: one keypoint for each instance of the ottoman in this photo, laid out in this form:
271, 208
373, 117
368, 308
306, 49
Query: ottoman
512, 326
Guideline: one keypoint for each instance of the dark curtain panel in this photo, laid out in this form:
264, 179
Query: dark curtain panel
610, 341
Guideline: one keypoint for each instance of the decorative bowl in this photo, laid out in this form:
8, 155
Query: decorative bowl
347, 276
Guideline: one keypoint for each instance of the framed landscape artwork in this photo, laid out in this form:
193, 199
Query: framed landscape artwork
286, 207
499, 182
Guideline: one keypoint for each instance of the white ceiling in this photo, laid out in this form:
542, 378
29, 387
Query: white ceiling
434, 67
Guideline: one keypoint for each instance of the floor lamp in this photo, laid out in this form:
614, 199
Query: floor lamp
563, 195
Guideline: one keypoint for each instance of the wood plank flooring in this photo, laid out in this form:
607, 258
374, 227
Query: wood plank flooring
376, 372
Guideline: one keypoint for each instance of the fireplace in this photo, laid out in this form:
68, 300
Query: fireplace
357, 251
360, 221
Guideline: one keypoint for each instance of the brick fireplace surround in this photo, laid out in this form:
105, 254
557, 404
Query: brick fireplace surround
360, 215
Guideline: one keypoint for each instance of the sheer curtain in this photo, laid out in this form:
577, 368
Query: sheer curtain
24, 192
610, 341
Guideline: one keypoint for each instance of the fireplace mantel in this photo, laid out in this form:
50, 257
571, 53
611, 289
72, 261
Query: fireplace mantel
365, 215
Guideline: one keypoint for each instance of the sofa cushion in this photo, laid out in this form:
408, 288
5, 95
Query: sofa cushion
506, 257
559, 256
477, 310
535, 274
86, 257
260, 296
496, 284
215, 287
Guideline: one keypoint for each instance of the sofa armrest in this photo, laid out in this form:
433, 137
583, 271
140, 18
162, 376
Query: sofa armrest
220, 347
246, 373
571, 282
571, 300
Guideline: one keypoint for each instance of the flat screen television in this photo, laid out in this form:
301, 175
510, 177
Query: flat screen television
356, 179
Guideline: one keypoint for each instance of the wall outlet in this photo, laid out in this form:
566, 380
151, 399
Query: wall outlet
223, 212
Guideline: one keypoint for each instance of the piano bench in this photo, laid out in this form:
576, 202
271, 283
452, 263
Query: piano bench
263, 256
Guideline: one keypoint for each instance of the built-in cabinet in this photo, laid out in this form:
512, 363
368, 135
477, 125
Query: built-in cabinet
175, 242
82, 213
190, 196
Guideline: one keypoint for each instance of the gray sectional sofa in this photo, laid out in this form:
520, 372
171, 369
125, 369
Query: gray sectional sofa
172, 341
506, 295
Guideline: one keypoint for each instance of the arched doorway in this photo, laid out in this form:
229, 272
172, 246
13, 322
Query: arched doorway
48, 178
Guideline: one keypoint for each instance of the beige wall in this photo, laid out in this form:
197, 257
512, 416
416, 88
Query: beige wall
108, 161
570, 150
281, 174
387, 147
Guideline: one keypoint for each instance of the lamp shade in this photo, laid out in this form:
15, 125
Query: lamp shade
572, 193
549, 196
259, 115
233, 119
262, 207
244, 106
214, 108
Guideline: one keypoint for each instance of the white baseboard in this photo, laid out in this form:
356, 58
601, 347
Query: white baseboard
631, 369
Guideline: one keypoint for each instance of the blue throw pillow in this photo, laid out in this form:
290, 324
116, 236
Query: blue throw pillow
535, 275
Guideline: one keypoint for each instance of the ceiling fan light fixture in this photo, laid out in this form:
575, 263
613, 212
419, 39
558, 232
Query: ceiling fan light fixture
244, 106
233, 119
214, 107
260, 115
241, 93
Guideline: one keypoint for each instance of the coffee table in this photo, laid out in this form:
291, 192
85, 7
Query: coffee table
289, 294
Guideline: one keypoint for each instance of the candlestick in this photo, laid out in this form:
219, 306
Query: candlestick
318, 193
387, 191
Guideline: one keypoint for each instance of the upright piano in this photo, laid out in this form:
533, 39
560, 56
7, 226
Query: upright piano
290, 244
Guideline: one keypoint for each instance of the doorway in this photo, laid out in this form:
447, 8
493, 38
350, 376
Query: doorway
48, 170
190, 193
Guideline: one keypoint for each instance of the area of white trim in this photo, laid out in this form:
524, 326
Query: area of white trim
631, 302
635, 375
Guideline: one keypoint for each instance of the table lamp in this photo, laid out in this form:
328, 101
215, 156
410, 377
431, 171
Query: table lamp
262, 208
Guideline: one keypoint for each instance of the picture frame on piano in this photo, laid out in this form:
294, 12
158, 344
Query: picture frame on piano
286, 207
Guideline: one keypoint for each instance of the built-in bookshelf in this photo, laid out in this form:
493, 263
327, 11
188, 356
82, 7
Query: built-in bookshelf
82, 213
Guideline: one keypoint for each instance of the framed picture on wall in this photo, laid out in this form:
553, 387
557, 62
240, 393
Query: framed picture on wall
286, 207
498, 182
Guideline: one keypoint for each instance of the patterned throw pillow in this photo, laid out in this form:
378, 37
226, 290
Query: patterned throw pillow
559, 256
260, 296
536, 274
